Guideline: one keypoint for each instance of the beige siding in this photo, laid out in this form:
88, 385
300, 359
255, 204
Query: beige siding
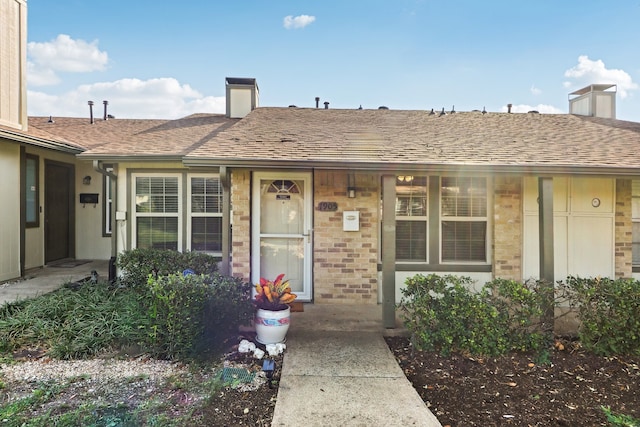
13, 40
584, 234
90, 243
10, 214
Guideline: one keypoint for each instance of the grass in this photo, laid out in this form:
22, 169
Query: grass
81, 323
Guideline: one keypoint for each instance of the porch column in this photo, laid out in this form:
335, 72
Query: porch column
545, 236
225, 181
545, 227
389, 251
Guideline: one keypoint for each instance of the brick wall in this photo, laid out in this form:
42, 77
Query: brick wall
624, 226
345, 262
241, 244
507, 228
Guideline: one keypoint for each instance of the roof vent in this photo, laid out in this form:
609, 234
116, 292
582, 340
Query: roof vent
453, 109
442, 113
432, 113
383, 107
326, 105
533, 112
597, 100
51, 120
509, 108
317, 101
484, 110
91, 112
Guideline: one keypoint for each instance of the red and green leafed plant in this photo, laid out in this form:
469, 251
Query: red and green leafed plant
274, 295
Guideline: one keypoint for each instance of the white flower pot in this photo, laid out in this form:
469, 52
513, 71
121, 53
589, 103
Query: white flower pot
272, 326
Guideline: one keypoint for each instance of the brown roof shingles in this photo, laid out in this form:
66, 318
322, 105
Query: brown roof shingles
362, 138
136, 137
416, 137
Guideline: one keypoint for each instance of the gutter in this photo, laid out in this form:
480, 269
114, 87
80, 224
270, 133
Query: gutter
489, 169
39, 142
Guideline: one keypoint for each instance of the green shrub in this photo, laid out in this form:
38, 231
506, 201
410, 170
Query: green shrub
443, 313
137, 265
73, 324
609, 313
192, 313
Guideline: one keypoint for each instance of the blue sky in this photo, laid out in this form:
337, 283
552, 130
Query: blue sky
168, 59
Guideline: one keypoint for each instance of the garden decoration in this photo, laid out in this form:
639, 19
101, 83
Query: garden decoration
273, 315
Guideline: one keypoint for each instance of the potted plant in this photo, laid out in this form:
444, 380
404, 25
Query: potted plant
273, 315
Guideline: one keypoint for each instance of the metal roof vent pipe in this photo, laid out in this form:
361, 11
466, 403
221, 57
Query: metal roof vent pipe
317, 101
91, 112
509, 108
106, 116
326, 105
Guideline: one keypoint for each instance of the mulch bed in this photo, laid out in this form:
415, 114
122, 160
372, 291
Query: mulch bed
568, 389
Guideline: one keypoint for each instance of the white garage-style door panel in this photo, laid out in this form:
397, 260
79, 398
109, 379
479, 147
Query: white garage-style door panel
592, 247
584, 227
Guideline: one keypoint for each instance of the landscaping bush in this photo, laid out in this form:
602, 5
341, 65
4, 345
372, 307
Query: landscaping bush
74, 323
193, 313
137, 264
609, 313
443, 313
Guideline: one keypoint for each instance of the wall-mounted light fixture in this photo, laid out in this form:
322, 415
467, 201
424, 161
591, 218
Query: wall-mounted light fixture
405, 178
351, 186
86, 180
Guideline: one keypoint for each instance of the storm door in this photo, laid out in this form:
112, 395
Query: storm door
281, 224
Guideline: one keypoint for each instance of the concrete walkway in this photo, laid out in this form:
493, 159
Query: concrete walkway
46, 279
338, 370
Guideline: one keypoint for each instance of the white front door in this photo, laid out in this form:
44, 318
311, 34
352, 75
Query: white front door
281, 223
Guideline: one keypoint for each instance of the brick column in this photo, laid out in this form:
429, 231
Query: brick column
624, 229
507, 227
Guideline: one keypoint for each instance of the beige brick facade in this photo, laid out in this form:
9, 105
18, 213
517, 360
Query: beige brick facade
346, 262
507, 228
624, 226
241, 220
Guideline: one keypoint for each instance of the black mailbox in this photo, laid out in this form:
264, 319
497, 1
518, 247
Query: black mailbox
89, 198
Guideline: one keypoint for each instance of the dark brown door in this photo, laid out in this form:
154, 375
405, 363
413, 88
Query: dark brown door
58, 205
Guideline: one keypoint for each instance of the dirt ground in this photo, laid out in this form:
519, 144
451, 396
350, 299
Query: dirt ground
568, 389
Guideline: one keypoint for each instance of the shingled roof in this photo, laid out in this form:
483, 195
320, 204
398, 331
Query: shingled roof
368, 139
364, 139
135, 138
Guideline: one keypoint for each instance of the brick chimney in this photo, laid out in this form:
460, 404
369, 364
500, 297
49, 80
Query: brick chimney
242, 96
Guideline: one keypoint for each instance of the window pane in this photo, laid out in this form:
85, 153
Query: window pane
157, 232
32, 208
464, 240
411, 196
157, 194
206, 234
206, 195
411, 241
464, 196
636, 243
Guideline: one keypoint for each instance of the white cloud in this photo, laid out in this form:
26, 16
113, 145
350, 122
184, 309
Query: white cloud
541, 108
162, 98
62, 54
299, 21
535, 91
594, 72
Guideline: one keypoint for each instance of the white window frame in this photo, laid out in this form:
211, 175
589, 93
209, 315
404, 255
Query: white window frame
108, 204
191, 215
135, 215
452, 218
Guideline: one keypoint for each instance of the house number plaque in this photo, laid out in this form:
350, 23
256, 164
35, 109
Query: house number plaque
327, 206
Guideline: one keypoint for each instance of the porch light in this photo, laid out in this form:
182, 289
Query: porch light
407, 178
351, 186
86, 180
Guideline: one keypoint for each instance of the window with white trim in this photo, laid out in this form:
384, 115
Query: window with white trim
107, 203
635, 215
205, 214
463, 219
411, 218
157, 211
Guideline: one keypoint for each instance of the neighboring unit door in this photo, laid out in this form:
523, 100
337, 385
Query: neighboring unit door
58, 214
281, 241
